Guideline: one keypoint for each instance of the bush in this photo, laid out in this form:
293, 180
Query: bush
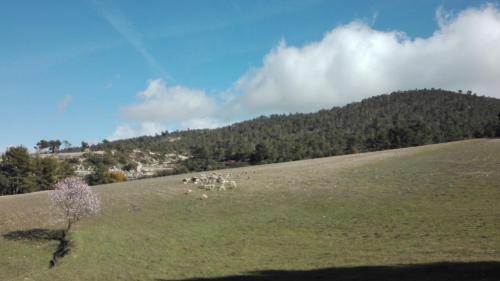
130, 166
99, 176
73, 160
117, 176
97, 159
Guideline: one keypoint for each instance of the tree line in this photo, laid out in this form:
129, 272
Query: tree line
54, 146
21, 173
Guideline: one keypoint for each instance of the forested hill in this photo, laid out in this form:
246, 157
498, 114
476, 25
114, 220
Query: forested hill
399, 119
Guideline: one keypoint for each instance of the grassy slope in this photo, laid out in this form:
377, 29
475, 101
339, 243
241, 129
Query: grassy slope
416, 205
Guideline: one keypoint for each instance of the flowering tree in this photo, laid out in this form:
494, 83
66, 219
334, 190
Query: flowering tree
74, 198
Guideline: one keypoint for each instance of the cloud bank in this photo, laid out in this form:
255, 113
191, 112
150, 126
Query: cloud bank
349, 63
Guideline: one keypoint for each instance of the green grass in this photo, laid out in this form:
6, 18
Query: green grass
429, 204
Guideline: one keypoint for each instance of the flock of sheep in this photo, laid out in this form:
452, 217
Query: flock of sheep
212, 181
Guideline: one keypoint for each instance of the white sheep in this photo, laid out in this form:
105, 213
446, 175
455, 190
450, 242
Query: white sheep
232, 184
209, 186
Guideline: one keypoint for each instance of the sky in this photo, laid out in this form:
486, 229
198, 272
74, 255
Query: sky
94, 70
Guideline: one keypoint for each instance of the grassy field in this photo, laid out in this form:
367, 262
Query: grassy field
424, 213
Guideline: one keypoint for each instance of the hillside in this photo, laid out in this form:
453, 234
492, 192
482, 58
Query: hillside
400, 119
422, 213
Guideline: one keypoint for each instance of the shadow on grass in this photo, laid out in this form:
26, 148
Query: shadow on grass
442, 271
39, 234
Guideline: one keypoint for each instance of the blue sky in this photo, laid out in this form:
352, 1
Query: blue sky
90, 70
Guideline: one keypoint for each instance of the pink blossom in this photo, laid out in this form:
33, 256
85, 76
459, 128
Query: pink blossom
74, 198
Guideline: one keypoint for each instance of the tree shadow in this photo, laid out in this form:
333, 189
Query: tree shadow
442, 271
40, 234
37, 234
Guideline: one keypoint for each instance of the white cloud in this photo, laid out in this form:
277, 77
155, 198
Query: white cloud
354, 61
202, 123
349, 63
63, 105
170, 104
443, 17
125, 131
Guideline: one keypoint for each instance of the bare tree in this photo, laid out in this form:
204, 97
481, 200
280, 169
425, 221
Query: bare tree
74, 198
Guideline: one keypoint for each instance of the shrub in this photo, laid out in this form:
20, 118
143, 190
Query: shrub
130, 166
99, 176
117, 176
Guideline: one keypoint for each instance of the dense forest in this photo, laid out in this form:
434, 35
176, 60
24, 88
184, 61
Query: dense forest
399, 119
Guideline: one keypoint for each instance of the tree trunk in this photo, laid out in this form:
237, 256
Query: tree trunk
68, 227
